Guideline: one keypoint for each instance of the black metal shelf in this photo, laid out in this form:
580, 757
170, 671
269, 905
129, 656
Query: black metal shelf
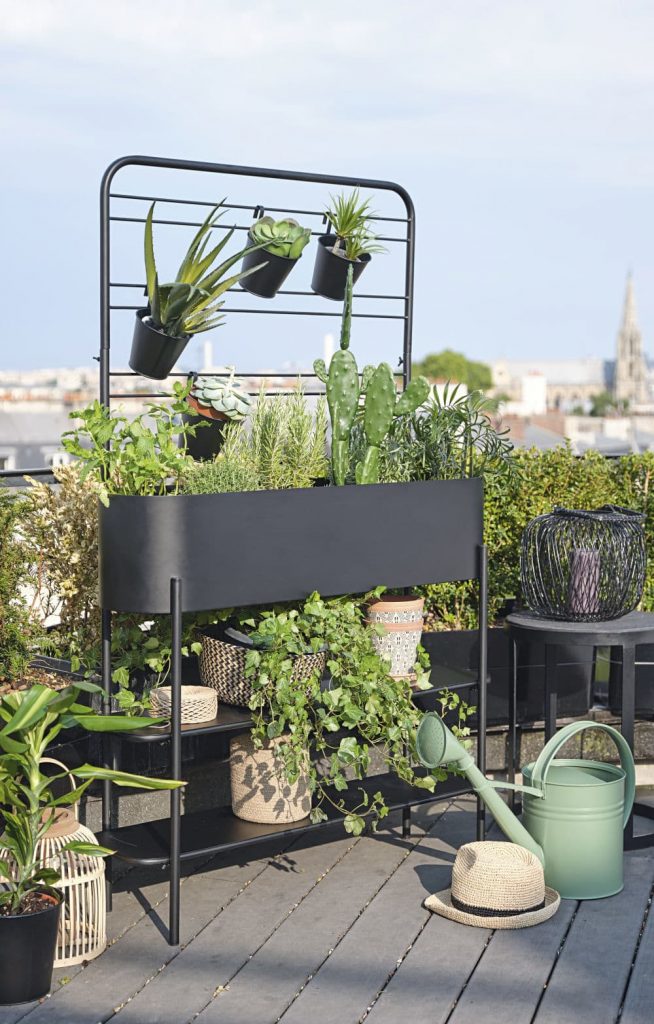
207, 832
232, 719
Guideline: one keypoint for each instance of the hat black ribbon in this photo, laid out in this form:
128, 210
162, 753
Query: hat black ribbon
490, 912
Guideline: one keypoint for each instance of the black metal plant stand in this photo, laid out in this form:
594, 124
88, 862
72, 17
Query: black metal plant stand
164, 555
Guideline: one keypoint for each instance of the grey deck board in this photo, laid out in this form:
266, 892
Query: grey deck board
589, 978
351, 978
639, 1002
269, 982
231, 937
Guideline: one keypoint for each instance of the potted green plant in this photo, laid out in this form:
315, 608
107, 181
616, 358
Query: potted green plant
362, 709
215, 401
283, 242
186, 306
351, 243
30, 904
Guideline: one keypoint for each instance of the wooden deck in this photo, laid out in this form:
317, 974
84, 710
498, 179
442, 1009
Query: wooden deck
335, 933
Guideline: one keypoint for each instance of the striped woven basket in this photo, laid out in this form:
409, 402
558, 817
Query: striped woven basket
222, 666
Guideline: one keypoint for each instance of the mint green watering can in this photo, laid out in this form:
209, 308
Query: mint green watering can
574, 811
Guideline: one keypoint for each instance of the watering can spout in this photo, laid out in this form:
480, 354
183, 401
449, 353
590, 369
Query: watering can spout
436, 745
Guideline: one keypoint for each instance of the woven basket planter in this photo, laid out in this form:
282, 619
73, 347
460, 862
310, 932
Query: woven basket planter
260, 790
402, 619
222, 666
199, 703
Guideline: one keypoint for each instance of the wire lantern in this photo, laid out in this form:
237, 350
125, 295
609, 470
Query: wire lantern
583, 566
83, 923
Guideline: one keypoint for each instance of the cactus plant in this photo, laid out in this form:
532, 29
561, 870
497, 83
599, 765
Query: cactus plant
221, 399
382, 403
342, 380
280, 237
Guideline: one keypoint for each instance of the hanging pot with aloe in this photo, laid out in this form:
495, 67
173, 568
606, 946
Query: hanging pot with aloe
188, 305
349, 244
283, 242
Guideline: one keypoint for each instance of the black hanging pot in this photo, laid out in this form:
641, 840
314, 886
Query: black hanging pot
330, 271
266, 281
209, 438
154, 353
28, 943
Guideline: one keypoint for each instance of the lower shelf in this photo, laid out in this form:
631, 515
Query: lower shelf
208, 832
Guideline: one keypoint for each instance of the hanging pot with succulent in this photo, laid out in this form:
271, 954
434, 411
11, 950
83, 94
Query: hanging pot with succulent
351, 244
186, 306
215, 402
283, 242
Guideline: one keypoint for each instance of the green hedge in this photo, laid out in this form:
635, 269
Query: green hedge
544, 479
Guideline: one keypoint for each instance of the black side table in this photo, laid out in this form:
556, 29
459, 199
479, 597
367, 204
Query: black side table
622, 636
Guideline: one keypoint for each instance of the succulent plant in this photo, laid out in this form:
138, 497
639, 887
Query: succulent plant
280, 237
227, 397
191, 303
381, 401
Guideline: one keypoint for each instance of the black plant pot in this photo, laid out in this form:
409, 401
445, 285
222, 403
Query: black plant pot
28, 944
267, 281
330, 271
208, 439
154, 353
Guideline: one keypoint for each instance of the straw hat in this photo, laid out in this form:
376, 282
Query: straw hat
496, 885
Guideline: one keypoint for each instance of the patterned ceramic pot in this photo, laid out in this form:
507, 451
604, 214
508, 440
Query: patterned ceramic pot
402, 619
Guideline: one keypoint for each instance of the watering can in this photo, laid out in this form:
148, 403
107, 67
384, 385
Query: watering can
574, 811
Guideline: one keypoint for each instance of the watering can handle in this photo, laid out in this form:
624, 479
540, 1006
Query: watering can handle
549, 751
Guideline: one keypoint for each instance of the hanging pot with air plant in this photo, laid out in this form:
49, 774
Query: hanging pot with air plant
350, 243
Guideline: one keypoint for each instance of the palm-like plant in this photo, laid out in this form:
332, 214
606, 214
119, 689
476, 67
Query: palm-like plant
30, 720
349, 217
191, 303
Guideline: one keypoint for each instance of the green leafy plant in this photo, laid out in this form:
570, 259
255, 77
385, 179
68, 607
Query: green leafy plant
138, 456
281, 237
30, 721
381, 402
285, 447
227, 397
19, 627
350, 217
363, 712
192, 302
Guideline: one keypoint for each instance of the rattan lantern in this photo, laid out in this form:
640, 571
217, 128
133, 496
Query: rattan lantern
584, 566
83, 923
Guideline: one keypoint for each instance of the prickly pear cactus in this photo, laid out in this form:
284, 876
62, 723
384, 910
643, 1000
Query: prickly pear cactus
382, 404
342, 380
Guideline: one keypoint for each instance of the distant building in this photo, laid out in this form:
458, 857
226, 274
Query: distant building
567, 382
31, 439
630, 381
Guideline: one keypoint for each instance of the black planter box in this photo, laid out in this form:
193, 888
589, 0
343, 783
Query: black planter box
460, 649
270, 546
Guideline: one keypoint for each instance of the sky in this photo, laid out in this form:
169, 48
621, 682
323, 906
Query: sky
523, 131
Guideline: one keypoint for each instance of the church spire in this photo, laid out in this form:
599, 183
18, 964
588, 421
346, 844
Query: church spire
630, 380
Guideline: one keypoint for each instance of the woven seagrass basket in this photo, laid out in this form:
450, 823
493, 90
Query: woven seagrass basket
260, 789
199, 703
222, 666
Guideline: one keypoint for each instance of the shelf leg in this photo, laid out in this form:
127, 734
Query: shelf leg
481, 690
628, 714
406, 822
107, 745
176, 751
513, 745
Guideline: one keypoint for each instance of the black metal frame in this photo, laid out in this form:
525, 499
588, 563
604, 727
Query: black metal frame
163, 842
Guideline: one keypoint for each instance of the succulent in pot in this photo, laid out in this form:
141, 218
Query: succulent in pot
283, 242
215, 402
30, 904
350, 244
188, 305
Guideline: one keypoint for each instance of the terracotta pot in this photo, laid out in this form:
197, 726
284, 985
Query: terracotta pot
402, 619
260, 790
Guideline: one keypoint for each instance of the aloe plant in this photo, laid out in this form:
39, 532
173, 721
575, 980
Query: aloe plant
191, 303
281, 237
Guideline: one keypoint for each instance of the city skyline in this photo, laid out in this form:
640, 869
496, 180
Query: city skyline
520, 134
